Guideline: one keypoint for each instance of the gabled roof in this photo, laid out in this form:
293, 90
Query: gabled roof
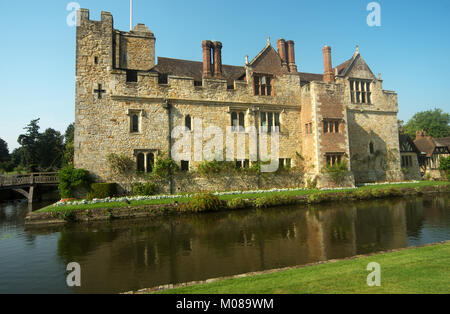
428, 145
345, 68
406, 139
194, 69
442, 142
261, 53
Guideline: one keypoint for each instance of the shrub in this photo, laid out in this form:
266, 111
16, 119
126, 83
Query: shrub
274, 200
337, 172
144, 189
68, 216
236, 203
70, 179
378, 193
444, 167
215, 167
317, 198
102, 190
311, 184
362, 194
165, 167
120, 164
203, 202
393, 192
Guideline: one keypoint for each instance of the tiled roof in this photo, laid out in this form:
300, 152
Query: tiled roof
444, 141
428, 144
194, 69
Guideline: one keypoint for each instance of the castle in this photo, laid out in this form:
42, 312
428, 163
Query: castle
128, 102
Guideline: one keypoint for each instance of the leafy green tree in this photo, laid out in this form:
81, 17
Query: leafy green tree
69, 145
29, 143
50, 150
434, 122
4, 151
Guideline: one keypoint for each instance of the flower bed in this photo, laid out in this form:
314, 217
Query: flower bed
68, 202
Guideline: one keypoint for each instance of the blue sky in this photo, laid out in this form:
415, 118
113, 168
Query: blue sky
411, 48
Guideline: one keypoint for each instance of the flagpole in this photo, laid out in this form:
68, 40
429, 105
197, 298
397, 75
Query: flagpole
131, 15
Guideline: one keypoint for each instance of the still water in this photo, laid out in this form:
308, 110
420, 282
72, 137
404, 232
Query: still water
129, 255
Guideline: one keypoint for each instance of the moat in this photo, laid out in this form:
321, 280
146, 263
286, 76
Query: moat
125, 255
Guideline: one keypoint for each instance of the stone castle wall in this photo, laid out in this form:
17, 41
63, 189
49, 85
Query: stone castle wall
103, 124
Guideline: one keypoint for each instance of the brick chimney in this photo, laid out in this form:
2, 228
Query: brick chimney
421, 134
217, 59
291, 56
207, 65
328, 73
282, 51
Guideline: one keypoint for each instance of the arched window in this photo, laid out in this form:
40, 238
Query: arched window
141, 162
150, 162
234, 121
135, 123
188, 122
242, 120
371, 148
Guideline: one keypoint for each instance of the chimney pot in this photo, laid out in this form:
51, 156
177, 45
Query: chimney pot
291, 56
328, 67
207, 66
217, 59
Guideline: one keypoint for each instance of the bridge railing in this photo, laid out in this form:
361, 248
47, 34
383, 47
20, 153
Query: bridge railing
29, 179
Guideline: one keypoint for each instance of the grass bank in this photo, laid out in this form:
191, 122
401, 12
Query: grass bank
246, 196
418, 270
138, 209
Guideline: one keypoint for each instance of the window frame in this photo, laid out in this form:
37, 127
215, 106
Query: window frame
360, 91
274, 117
263, 85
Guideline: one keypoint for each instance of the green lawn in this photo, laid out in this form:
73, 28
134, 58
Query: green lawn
418, 270
229, 197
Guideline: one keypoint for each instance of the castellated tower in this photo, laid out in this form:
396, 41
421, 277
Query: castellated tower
100, 51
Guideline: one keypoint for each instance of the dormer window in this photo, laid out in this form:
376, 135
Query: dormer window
360, 91
263, 85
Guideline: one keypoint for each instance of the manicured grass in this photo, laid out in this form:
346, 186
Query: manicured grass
238, 196
418, 270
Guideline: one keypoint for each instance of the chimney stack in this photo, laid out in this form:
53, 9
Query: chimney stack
217, 59
282, 51
207, 66
328, 73
291, 56
421, 134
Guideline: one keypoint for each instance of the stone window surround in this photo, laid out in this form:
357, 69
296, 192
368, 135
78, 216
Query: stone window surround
362, 91
333, 157
333, 122
269, 77
146, 153
239, 113
130, 114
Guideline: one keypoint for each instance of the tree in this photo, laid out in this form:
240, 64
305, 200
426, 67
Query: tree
29, 143
39, 151
4, 151
50, 150
69, 145
434, 122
